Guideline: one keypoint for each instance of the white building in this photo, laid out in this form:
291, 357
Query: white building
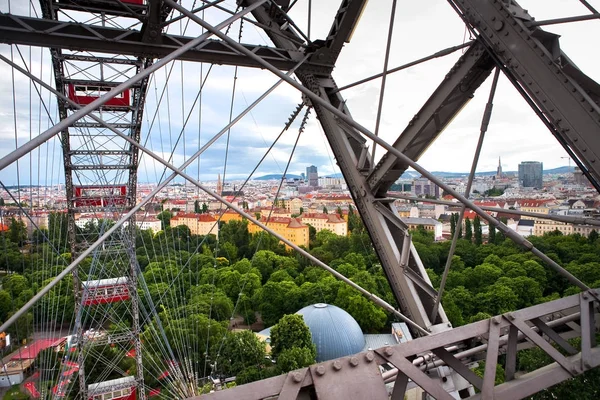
320, 221
429, 224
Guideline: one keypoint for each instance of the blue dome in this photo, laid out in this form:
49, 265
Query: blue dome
334, 331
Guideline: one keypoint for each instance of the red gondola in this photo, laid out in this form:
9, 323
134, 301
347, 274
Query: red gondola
82, 95
100, 196
103, 291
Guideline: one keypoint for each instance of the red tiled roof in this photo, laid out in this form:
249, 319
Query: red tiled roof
487, 203
331, 218
31, 351
533, 203
290, 222
199, 217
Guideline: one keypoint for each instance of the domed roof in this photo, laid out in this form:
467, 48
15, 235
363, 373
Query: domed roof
334, 331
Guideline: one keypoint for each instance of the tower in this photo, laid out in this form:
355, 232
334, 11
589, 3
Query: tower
312, 176
530, 174
499, 174
219, 189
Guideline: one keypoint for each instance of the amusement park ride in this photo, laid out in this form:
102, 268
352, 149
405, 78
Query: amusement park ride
101, 177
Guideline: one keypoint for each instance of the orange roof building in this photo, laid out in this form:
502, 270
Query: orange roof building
290, 228
332, 222
199, 224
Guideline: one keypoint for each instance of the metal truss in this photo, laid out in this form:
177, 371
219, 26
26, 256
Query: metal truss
506, 37
365, 375
69, 35
94, 157
405, 272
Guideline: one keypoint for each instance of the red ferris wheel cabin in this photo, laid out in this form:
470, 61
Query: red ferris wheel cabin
100, 196
104, 291
83, 94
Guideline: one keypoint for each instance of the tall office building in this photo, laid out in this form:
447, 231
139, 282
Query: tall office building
424, 187
530, 174
312, 176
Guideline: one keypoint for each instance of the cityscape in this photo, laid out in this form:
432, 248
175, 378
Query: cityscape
324, 203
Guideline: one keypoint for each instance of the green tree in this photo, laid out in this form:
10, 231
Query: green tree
197, 208
500, 235
468, 230
492, 234
276, 299
477, 231
291, 332
325, 211
295, 358
593, 236
204, 208
452, 224
17, 231
240, 350
165, 219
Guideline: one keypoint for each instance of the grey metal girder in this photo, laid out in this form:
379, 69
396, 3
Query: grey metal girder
16, 29
386, 230
502, 336
455, 91
562, 96
343, 26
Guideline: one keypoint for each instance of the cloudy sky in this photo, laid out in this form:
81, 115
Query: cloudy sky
515, 133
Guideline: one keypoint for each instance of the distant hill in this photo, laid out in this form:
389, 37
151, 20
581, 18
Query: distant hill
415, 174
276, 177
443, 174
559, 170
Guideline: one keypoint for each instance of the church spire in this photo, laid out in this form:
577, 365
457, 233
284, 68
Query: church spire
499, 170
219, 185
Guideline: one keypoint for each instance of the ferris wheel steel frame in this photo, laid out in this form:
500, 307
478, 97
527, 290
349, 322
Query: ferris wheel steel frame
559, 93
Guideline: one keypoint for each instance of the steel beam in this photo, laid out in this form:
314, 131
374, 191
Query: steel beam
561, 95
351, 154
15, 29
437, 349
455, 91
341, 31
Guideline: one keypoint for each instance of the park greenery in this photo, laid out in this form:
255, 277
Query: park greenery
197, 284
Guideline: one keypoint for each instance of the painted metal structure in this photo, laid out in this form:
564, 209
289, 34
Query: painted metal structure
506, 37
101, 174
359, 376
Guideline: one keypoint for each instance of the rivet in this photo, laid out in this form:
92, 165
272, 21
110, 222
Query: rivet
369, 357
585, 296
320, 370
337, 365
496, 321
388, 351
354, 361
511, 316
574, 370
297, 377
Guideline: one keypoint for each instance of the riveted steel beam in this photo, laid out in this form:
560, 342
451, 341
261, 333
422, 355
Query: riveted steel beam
455, 91
16, 29
561, 95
